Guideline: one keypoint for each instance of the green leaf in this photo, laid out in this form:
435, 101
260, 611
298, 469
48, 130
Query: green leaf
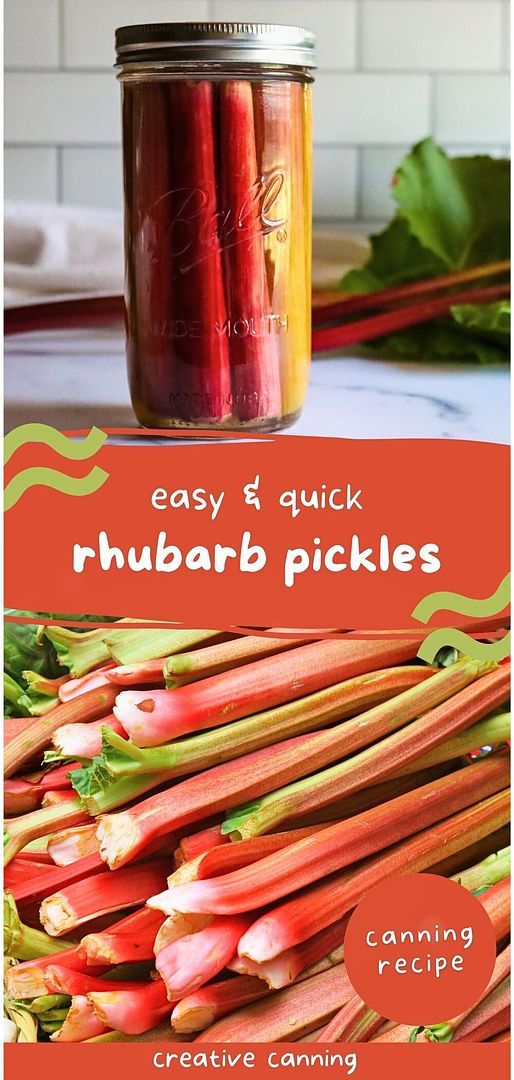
491, 321
439, 340
458, 208
452, 213
91, 779
23, 651
397, 258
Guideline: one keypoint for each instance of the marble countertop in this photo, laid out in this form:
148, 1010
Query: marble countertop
76, 379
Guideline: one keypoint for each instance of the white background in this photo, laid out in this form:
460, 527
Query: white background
390, 72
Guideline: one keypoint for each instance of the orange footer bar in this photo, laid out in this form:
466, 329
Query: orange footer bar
297, 1060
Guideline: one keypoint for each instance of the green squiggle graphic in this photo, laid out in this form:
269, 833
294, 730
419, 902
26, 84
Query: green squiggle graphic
458, 639
62, 445
477, 650
463, 605
52, 478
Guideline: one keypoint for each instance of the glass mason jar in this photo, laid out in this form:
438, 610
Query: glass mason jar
217, 180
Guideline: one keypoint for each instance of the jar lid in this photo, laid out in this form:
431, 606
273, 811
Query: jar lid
218, 42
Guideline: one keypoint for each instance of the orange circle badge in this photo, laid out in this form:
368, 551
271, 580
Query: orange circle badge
419, 949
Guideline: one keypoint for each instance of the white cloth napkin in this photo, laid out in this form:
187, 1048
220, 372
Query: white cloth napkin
55, 251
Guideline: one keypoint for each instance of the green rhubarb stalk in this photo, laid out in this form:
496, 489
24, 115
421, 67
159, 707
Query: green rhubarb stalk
188, 667
42, 694
23, 830
99, 794
47, 1002
485, 873
15, 694
493, 731
79, 653
202, 751
136, 646
381, 760
92, 705
25, 942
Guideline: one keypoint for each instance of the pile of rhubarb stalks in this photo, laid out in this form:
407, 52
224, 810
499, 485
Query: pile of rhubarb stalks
192, 817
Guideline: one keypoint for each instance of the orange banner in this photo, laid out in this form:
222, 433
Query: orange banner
365, 1061
266, 531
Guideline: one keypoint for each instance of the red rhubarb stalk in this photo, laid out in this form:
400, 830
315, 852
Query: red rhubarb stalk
131, 1010
127, 942
286, 1016
57, 779
27, 980
90, 706
445, 1032
85, 740
63, 980
73, 844
317, 953
154, 717
20, 873
188, 963
99, 894
319, 905
21, 831
189, 667
178, 926
58, 878
496, 901
351, 305
461, 860
190, 847
188, 755
149, 306
199, 1010
80, 1023
488, 1018
381, 760
149, 673
399, 1033
25, 793
228, 857
122, 835
371, 796
20, 797
354, 1023
202, 352
54, 798
72, 688
322, 853
253, 348
335, 337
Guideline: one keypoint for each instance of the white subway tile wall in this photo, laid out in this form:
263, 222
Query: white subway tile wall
390, 72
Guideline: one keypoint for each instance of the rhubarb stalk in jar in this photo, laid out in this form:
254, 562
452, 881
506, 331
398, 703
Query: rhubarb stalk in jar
217, 180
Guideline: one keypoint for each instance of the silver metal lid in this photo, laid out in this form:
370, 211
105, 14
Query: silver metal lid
217, 42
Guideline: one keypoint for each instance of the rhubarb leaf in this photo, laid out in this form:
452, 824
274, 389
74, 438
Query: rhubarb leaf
491, 321
458, 208
452, 213
397, 257
440, 340
23, 651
